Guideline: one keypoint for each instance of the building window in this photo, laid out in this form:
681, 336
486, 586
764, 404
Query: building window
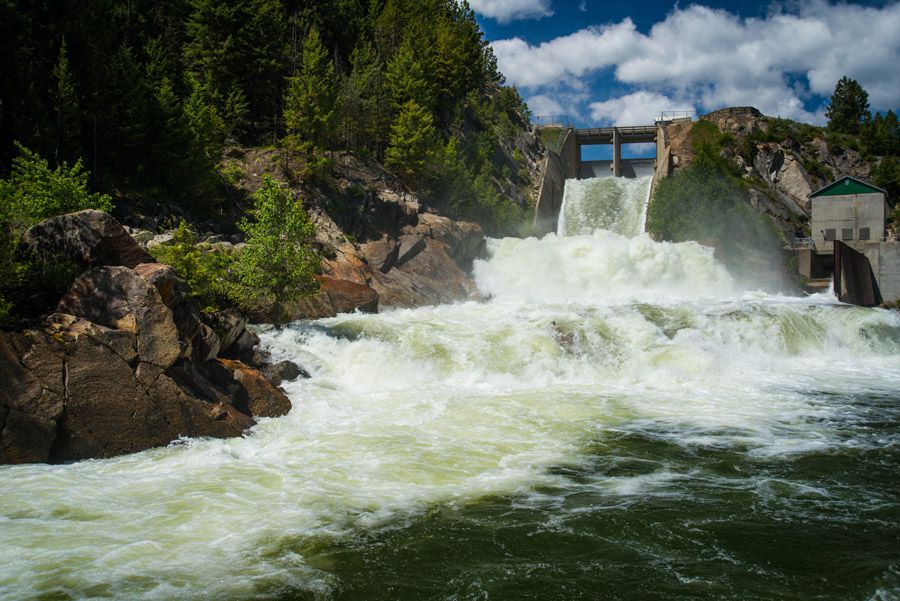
863, 233
846, 233
829, 234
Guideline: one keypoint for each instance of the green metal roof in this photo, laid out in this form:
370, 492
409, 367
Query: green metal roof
847, 185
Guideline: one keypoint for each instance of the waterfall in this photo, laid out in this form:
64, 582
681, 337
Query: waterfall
615, 204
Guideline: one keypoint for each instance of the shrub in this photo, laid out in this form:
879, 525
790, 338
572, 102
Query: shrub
206, 273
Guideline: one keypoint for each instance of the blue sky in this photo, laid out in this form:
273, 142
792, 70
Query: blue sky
625, 61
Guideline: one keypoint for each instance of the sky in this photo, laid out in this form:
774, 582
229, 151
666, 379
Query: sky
623, 62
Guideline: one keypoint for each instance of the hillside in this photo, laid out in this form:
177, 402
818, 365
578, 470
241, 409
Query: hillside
734, 166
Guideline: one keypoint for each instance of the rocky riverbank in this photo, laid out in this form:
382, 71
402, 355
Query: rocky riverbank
127, 361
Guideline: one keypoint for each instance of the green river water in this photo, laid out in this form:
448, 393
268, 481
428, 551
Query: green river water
620, 420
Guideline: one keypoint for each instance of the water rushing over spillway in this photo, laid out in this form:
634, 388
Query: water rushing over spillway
619, 420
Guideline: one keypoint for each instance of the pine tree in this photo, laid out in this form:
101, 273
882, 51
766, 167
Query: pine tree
364, 103
406, 79
309, 103
65, 100
412, 143
849, 106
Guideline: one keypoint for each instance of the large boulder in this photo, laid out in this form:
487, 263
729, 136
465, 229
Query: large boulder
255, 394
118, 298
32, 396
464, 240
87, 238
431, 276
334, 296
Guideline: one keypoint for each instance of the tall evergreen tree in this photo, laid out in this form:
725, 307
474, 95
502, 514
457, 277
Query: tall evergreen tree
309, 103
407, 79
411, 151
364, 101
65, 101
849, 106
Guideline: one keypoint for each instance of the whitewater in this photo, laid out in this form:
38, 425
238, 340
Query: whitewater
620, 418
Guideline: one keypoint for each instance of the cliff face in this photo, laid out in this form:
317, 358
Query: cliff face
782, 162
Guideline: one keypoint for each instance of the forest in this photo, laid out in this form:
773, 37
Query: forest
117, 100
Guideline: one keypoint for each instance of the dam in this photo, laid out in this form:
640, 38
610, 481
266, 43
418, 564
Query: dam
565, 160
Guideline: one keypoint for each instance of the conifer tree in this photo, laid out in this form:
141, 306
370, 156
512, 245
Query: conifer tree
849, 106
364, 103
412, 143
309, 103
65, 100
406, 79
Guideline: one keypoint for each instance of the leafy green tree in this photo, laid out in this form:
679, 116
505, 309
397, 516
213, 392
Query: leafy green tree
849, 106
33, 192
413, 141
309, 103
278, 262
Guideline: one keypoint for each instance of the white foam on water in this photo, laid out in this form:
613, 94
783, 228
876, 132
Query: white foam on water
584, 335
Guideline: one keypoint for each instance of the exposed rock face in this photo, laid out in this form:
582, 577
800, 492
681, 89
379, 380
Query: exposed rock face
88, 238
125, 364
119, 298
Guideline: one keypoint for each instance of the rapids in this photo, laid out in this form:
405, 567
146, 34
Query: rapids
618, 419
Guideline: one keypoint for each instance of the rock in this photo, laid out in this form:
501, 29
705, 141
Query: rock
228, 324
410, 246
206, 344
118, 298
283, 371
171, 287
380, 254
430, 277
68, 328
242, 348
165, 238
88, 238
346, 297
464, 240
260, 397
31, 397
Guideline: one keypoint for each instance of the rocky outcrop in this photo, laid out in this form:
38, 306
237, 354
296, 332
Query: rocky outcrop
88, 238
126, 363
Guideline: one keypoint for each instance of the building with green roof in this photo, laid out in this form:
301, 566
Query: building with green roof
850, 210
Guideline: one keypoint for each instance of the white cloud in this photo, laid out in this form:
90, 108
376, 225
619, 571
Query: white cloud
637, 108
566, 57
711, 58
511, 10
543, 105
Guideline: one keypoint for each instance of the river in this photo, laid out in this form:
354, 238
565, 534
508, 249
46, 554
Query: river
620, 420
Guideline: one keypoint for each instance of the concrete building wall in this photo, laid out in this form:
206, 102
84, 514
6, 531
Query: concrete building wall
847, 214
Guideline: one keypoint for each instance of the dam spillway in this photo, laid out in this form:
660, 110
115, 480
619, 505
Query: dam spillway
620, 418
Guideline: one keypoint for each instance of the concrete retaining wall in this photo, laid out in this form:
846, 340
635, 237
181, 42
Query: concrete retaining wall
885, 260
558, 167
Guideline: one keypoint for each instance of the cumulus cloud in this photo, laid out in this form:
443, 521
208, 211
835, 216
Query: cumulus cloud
710, 58
637, 108
511, 10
